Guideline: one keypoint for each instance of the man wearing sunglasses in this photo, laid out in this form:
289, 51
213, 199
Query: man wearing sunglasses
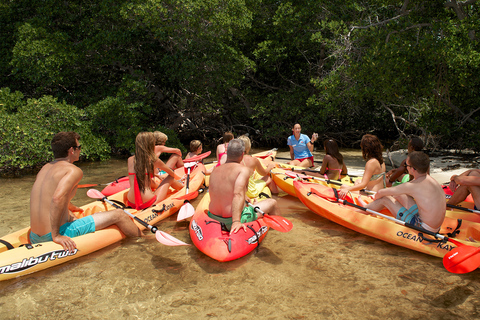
54, 188
420, 202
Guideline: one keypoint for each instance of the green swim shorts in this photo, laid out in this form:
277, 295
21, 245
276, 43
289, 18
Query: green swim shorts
248, 215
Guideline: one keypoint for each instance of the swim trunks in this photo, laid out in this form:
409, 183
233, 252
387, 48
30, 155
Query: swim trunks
248, 215
408, 215
411, 216
70, 229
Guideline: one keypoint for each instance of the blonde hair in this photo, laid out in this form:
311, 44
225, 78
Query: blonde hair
248, 144
195, 145
144, 159
160, 138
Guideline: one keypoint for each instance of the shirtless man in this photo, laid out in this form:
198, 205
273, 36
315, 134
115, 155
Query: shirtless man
463, 185
54, 187
228, 184
420, 202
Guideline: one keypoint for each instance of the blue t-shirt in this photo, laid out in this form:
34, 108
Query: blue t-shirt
300, 149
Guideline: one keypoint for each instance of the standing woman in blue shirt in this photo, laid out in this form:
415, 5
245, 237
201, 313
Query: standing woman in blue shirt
301, 147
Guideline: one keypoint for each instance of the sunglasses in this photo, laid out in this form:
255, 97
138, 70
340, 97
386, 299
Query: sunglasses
79, 147
407, 165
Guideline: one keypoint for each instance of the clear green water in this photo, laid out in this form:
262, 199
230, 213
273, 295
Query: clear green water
319, 270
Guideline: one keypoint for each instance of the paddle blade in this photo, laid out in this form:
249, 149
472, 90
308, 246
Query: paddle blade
462, 259
168, 240
185, 212
95, 194
278, 223
188, 196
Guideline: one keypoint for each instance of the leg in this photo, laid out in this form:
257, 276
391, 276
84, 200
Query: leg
175, 161
118, 217
475, 191
306, 163
269, 206
393, 204
460, 194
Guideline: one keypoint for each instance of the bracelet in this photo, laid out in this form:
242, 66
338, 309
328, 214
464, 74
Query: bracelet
235, 221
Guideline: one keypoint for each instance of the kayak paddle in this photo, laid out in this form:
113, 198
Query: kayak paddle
187, 210
162, 237
275, 222
462, 208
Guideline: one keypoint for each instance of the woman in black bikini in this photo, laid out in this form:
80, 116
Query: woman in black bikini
332, 164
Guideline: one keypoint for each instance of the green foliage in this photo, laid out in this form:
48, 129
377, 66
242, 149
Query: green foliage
199, 68
27, 127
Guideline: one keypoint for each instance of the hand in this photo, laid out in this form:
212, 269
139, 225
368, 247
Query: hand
237, 225
66, 242
342, 192
453, 185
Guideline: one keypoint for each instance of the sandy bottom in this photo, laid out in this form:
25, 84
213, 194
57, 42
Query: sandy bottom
319, 270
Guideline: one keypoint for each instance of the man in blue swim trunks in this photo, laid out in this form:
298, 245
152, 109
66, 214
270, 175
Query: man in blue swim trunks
420, 201
228, 185
54, 188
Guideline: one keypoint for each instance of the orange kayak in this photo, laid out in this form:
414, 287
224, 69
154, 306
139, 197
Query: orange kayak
18, 257
313, 196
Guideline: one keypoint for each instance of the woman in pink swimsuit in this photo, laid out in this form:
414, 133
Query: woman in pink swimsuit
222, 148
332, 164
141, 168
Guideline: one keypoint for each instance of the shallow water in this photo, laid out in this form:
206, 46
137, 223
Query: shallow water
319, 270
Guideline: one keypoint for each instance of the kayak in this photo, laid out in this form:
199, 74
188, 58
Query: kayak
283, 178
217, 243
18, 257
116, 186
311, 195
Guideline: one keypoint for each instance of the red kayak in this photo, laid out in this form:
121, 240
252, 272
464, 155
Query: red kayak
209, 237
449, 193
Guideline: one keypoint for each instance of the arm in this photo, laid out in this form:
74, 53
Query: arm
169, 150
291, 153
324, 164
239, 200
344, 169
369, 169
310, 143
159, 164
396, 173
60, 202
262, 170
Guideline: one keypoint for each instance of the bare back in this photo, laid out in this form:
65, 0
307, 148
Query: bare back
227, 182
54, 187
429, 197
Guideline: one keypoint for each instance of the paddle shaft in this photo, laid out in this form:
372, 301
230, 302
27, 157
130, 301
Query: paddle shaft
403, 223
462, 208
143, 223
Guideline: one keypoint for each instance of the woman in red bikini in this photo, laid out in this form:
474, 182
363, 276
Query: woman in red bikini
141, 169
222, 148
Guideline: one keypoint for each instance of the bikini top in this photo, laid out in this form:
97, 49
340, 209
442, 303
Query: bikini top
378, 175
220, 155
